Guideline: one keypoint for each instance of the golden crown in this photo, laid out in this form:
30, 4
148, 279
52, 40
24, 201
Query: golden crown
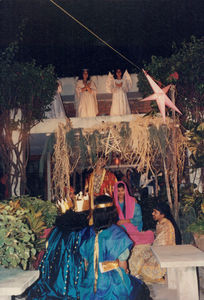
81, 202
78, 204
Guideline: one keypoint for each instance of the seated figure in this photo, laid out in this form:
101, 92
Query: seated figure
130, 215
142, 262
105, 248
99, 182
62, 266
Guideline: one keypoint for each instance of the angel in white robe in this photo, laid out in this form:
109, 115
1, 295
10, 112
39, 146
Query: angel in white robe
119, 86
85, 97
56, 107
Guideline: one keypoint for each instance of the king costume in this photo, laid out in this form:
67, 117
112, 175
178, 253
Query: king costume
99, 184
104, 279
62, 267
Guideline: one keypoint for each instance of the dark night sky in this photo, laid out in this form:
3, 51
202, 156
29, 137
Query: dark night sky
137, 28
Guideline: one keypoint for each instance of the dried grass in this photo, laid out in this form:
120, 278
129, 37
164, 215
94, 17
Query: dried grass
150, 141
60, 160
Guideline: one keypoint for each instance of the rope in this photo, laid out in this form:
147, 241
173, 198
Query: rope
94, 34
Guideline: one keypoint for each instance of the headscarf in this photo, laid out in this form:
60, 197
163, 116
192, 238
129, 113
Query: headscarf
129, 203
146, 237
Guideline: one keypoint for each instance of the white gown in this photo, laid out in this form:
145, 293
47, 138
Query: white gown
56, 108
120, 105
85, 102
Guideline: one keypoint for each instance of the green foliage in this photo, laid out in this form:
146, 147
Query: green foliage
26, 91
191, 212
188, 63
17, 240
198, 226
191, 198
28, 87
196, 145
44, 209
23, 220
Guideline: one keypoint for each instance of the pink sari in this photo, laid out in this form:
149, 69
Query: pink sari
144, 237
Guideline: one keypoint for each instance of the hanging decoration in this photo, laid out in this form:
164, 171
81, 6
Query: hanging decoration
111, 142
160, 96
142, 143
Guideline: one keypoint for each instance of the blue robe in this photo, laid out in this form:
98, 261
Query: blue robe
137, 217
115, 284
62, 268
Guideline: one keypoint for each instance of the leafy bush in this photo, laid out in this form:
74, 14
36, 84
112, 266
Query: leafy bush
183, 68
198, 226
22, 223
191, 213
47, 208
191, 198
17, 240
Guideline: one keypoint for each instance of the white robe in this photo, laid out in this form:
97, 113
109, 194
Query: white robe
56, 108
85, 102
120, 104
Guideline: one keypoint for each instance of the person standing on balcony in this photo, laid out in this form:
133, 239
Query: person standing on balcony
85, 97
119, 85
56, 108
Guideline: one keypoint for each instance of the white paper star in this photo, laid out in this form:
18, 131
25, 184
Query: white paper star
160, 96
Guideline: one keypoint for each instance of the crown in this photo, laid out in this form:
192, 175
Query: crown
78, 204
64, 205
81, 202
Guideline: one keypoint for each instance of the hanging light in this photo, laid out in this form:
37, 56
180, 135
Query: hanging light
117, 160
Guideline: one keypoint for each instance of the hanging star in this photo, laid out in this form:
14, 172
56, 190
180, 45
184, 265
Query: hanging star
111, 143
160, 96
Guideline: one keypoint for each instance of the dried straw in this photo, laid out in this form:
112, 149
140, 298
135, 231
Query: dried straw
143, 148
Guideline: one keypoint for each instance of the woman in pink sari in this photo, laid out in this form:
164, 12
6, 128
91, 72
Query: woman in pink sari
130, 216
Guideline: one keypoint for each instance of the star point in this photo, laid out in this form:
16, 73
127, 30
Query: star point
160, 96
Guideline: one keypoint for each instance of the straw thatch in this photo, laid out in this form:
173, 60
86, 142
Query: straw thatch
142, 143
